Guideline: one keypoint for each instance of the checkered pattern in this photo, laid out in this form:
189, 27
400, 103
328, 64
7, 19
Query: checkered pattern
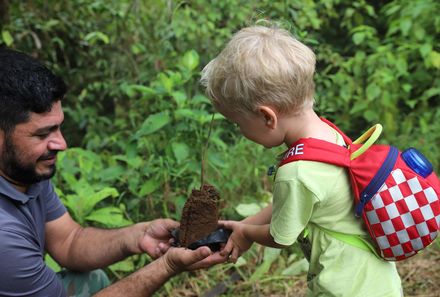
404, 216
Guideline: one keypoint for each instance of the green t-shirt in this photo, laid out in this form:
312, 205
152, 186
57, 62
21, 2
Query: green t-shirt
318, 195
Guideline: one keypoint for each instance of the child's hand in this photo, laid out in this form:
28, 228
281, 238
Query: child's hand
237, 243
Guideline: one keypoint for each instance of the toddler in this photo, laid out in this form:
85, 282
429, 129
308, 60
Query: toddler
263, 82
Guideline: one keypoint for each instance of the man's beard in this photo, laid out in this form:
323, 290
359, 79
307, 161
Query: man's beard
18, 170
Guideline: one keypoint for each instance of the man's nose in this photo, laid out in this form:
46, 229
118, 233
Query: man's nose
57, 143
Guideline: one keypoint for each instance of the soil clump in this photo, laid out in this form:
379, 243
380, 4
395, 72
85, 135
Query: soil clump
200, 215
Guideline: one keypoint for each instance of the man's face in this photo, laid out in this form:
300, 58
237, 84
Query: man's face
28, 153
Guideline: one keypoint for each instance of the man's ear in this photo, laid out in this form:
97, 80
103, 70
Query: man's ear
270, 116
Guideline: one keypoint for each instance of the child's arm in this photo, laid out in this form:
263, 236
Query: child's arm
260, 218
243, 236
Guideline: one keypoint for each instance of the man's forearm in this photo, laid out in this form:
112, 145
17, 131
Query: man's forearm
143, 282
94, 248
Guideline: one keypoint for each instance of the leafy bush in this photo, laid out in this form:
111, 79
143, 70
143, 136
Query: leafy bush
136, 116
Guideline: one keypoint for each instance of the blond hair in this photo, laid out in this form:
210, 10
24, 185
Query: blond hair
261, 66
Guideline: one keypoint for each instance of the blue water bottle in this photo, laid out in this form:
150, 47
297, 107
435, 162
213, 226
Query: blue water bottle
417, 162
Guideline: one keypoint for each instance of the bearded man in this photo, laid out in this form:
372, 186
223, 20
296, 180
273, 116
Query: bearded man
33, 220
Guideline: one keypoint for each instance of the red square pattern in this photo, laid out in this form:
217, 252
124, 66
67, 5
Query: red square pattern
421, 198
426, 240
407, 247
388, 253
386, 197
398, 224
432, 225
377, 230
417, 216
382, 214
405, 189
402, 206
393, 239
412, 232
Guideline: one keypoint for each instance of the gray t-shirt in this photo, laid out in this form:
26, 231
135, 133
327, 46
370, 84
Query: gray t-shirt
23, 271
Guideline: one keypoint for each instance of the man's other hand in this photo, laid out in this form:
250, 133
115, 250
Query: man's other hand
182, 259
157, 237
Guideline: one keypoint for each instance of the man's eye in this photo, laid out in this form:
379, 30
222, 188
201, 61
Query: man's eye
42, 135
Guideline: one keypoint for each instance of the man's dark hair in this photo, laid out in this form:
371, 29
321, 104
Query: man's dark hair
25, 86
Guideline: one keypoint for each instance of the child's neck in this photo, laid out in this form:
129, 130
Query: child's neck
305, 125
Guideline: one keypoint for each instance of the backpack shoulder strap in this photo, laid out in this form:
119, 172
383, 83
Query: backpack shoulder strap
312, 149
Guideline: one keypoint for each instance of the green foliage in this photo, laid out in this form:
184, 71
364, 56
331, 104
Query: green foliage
137, 119
85, 187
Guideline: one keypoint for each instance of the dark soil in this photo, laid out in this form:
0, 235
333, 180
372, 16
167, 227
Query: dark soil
200, 215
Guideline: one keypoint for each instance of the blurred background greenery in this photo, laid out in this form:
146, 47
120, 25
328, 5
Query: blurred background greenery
137, 118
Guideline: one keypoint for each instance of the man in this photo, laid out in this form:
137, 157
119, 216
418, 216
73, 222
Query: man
33, 220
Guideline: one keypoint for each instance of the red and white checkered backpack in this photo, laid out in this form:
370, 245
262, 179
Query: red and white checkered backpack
396, 193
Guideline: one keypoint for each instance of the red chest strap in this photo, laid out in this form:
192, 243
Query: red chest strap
312, 149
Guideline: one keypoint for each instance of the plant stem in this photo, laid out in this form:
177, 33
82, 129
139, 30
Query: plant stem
204, 152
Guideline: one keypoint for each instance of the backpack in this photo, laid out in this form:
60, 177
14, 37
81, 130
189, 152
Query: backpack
396, 193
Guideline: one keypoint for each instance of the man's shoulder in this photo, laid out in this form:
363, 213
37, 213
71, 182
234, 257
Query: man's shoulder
11, 225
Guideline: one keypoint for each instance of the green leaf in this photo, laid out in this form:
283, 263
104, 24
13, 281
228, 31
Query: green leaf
296, 268
149, 187
112, 173
359, 106
200, 99
126, 265
52, 263
240, 262
373, 91
108, 216
260, 271
93, 199
435, 59
190, 60
247, 209
94, 37
7, 38
425, 49
180, 150
133, 89
138, 48
180, 98
270, 255
165, 82
200, 116
358, 37
153, 123
370, 115
405, 26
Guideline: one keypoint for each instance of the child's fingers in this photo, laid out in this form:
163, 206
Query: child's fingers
234, 255
227, 249
226, 224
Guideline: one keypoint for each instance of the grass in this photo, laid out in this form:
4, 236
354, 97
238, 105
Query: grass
420, 278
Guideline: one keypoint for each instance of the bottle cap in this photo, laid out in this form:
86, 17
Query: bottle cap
417, 162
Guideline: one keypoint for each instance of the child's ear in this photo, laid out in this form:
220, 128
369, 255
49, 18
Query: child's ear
270, 116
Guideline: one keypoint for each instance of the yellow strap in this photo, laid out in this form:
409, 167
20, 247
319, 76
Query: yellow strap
370, 136
352, 239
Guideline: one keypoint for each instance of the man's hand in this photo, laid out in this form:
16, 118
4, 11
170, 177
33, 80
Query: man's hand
183, 259
237, 243
150, 278
156, 239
